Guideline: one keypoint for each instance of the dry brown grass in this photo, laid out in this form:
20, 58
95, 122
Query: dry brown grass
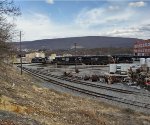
54, 108
7, 122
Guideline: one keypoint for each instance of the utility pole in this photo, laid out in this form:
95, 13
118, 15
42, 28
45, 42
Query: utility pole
20, 54
75, 45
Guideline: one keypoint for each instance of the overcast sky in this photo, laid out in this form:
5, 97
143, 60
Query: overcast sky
46, 19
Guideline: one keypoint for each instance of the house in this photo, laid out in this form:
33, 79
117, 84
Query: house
142, 48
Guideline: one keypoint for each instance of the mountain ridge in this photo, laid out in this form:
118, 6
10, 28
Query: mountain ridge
85, 42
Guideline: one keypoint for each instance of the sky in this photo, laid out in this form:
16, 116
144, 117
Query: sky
48, 19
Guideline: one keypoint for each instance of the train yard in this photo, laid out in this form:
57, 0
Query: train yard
116, 94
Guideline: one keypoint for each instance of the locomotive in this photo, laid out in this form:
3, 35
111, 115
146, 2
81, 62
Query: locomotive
87, 60
68, 60
38, 60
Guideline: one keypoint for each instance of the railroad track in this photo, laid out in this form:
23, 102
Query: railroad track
97, 86
89, 92
92, 84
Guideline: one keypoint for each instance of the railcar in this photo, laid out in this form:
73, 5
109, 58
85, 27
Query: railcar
68, 60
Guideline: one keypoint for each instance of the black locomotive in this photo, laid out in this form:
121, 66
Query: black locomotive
87, 60
38, 60
68, 60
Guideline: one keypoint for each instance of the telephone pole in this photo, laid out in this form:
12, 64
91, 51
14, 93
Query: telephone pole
20, 54
75, 45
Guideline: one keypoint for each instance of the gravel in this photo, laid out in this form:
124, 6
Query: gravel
90, 71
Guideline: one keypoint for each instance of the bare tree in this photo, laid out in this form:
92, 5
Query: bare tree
7, 9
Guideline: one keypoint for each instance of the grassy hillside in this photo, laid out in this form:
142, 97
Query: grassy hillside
22, 103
